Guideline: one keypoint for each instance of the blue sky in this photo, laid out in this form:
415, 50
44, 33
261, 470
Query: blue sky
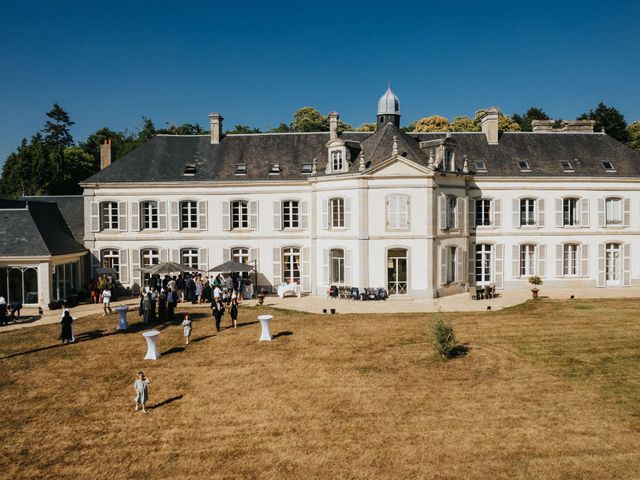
110, 63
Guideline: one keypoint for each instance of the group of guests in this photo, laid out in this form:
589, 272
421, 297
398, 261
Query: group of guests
98, 286
159, 301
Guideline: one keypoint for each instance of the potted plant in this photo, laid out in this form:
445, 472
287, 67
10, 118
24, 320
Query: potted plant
535, 281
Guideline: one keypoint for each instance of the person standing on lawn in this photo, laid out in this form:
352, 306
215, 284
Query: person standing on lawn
234, 312
218, 310
142, 394
66, 333
186, 326
106, 299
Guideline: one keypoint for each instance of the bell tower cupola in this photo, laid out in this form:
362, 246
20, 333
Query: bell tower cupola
388, 109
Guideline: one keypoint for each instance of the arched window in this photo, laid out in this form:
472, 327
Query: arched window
149, 213
188, 214
240, 214
337, 265
336, 160
613, 211
527, 259
527, 211
612, 263
291, 262
337, 212
109, 216
110, 258
569, 212
189, 257
240, 255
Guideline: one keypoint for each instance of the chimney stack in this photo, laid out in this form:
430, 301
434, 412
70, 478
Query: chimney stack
577, 126
489, 120
333, 125
105, 154
542, 126
216, 127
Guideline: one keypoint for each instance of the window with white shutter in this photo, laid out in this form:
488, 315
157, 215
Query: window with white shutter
398, 212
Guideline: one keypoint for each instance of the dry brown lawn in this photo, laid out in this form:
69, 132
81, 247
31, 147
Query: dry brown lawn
548, 390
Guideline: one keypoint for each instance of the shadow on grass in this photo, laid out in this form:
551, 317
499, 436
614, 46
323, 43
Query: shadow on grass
199, 339
281, 334
244, 324
165, 402
172, 350
459, 351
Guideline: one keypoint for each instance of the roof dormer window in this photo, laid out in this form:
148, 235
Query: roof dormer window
480, 166
449, 161
241, 169
567, 166
275, 169
524, 166
307, 168
608, 166
337, 160
190, 169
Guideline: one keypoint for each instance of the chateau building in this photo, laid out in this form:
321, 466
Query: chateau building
420, 214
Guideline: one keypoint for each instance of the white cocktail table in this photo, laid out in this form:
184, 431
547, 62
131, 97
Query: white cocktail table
152, 344
122, 317
265, 321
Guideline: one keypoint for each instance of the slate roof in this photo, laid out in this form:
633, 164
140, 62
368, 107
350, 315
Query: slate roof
72, 209
164, 157
544, 152
32, 228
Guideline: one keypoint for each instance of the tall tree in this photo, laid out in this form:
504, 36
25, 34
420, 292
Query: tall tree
525, 120
243, 129
282, 128
57, 128
463, 124
610, 119
434, 123
634, 135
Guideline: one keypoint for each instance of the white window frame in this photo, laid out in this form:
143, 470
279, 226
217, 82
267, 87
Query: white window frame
189, 257
336, 266
337, 160
613, 209
528, 259
528, 212
570, 259
291, 266
613, 262
483, 212
336, 212
239, 214
188, 214
240, 255
451, 211
291, 214
570, 212
109, 215
483, 264
150, 215
110, 258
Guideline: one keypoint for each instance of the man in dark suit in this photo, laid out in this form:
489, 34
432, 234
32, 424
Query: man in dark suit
217, 308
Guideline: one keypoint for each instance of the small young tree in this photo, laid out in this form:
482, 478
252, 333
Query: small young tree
444, 339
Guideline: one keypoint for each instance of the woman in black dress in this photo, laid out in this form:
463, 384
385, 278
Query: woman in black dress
66, 334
